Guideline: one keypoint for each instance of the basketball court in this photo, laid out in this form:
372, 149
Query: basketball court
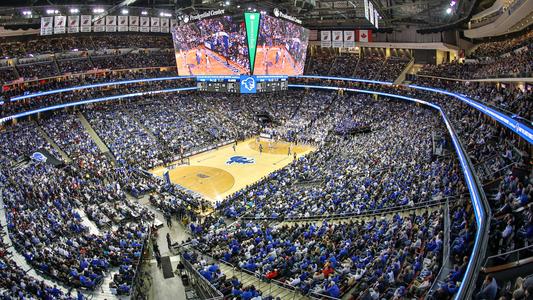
186, 62
265, 62
218, 173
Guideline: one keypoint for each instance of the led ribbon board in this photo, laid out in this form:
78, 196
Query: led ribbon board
517, 127
251, 21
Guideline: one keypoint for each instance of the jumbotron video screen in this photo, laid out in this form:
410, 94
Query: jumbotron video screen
211, 46
281, 47
219, 46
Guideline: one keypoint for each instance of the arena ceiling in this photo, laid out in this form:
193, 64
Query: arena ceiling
315, 14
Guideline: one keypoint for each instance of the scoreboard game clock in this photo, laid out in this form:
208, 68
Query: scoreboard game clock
244, 84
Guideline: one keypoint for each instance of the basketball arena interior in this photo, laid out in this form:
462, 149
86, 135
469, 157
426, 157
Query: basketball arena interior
265, 150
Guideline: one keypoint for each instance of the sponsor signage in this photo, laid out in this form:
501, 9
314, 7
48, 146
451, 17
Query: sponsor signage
279, 14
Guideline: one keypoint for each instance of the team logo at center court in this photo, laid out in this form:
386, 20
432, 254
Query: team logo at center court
240, 160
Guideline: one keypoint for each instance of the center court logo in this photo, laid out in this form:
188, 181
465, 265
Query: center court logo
243, 160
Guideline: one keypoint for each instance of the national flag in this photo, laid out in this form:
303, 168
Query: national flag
364, 36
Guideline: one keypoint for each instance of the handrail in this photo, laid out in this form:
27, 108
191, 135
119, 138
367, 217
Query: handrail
190, 268
392, 209
509, 252
137, 272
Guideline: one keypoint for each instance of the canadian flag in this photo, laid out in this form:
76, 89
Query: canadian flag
364, 36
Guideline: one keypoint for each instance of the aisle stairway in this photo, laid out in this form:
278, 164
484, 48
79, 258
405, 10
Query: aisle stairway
97, 140
45, 136
268, 289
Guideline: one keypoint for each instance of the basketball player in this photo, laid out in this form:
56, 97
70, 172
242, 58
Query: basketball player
234, 147
283, 60
198, 57
278, 54
207, 62
260, 149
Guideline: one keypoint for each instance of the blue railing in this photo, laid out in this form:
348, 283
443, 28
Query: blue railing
90, 101
97, 85
476, 193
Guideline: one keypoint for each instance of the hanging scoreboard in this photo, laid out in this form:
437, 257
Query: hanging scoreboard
243, 84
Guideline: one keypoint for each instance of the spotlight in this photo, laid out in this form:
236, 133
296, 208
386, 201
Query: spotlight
449, 10
144, 13
98, 10
74, 10
26, 13
227, 2
124, 11
50, 11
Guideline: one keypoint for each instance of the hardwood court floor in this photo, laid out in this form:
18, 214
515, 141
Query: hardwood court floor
274, 68
215, 66
218, 173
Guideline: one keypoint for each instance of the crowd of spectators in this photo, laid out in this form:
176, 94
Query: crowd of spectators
15, 48
497, 48
512, 101
381, 257
369, 66
12, 107
358, 173
141, 59
17, 283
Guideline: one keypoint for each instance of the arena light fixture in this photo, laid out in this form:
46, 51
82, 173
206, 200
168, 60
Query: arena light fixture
51, 11
26, 12
144, 13
98, 10
124, 11
74, 10
227, 3
449, 10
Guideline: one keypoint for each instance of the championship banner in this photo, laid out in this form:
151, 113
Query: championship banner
111, 23
349, 39
164, 25
367, 15
47, 25
73, 24
145, 24
337, 39
60, 24
85, 23
173, 23
154, 24
371, 12
122, 23
376, 19
99, 25
325, 39
134, 23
